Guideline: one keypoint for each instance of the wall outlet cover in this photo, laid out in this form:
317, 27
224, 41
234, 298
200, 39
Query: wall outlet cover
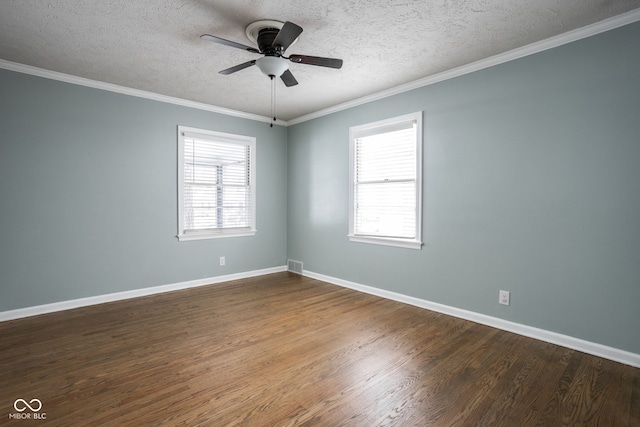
504, 297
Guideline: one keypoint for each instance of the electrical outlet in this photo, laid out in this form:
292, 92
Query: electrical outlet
503, 297
222, 260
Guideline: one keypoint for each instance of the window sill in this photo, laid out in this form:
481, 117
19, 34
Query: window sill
215, 235
386, 241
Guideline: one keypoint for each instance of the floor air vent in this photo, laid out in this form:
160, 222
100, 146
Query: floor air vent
294, 266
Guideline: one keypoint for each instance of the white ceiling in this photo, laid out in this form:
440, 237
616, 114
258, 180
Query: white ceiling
154, 45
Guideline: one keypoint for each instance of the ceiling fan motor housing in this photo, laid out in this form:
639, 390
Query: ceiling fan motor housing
265, 39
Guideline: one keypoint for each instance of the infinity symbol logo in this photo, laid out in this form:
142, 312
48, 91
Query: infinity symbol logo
24, 405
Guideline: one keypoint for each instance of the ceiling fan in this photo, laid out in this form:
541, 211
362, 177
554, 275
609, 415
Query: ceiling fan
273, 38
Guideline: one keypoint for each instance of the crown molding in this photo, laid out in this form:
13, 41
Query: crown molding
81, 81
530, 49
533, 48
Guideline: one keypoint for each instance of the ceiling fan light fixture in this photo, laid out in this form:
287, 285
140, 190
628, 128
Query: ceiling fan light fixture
272, 65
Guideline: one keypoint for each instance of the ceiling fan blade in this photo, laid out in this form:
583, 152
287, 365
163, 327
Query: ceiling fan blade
287, 35
288, 79
238, 67
229, 43
316, 60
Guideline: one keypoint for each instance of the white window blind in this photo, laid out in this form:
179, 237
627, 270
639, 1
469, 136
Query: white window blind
216, 184
386, 178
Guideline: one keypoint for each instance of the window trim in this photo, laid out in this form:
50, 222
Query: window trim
226, 138
373, 128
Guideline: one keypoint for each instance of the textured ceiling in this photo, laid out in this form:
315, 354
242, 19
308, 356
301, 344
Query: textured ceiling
154, 45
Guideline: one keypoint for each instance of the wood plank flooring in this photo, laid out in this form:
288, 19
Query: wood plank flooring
285, 350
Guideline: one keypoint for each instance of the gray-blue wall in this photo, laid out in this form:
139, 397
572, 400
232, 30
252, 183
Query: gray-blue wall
88, 194
531, 184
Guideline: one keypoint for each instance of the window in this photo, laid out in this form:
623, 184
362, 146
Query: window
385, 195
216, 184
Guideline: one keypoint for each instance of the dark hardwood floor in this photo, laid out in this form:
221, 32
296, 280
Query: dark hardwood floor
285, 350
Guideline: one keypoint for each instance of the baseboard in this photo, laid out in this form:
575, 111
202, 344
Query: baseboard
589, 347
118, 296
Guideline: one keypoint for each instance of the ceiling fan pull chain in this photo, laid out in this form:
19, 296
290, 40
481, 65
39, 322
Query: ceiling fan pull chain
273, 99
